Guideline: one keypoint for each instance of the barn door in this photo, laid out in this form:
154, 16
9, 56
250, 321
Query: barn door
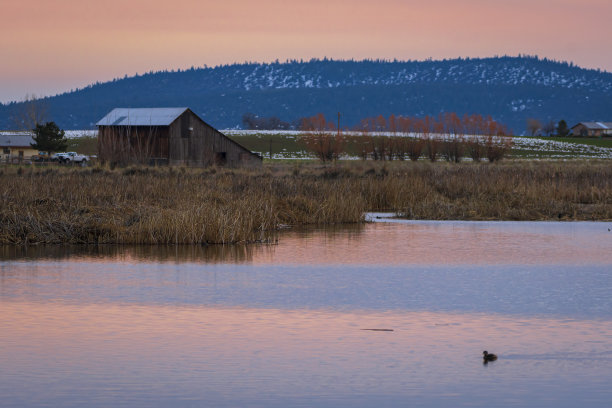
220, 158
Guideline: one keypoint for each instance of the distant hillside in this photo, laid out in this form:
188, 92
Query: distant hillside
511, 89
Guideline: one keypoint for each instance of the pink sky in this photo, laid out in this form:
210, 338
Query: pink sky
48, 47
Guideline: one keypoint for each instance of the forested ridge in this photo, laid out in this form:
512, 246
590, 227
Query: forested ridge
510, 89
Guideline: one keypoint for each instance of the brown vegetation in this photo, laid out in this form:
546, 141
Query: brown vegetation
320, 138
533, 126
403, 137
145, 205
149, 205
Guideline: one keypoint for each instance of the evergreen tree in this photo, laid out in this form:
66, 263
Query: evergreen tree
49, 138
562, 129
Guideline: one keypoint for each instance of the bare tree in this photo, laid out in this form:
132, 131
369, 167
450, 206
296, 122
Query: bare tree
321, 138
362, 140
254, 122
474, 128
533, 126
31, 112
453, 146
432, 142
549, 128
497, 144
448, 135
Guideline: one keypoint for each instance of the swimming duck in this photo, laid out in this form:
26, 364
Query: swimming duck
486, 356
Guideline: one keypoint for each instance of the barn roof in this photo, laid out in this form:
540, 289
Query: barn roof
595, 125
20, 139
141, 117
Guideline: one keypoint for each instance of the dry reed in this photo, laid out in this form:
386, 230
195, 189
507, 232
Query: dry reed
143, 205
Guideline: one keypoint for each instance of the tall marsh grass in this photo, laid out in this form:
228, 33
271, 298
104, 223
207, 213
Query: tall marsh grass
143, 205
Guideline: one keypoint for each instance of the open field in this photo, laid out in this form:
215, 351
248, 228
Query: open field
144, 205
591, 141
561, 148
285, 144
84, 145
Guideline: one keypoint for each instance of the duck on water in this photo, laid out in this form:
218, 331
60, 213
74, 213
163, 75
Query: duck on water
486, 357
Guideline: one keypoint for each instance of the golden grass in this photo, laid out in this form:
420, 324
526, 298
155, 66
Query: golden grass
142, 205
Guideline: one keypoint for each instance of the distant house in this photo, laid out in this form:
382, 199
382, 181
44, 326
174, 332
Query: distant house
174, 136
15, 146
596, 129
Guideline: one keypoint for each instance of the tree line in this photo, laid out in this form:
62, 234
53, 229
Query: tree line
447, 136
548, 128
252, 121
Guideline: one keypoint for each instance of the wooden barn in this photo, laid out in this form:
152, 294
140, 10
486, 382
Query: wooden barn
174, 136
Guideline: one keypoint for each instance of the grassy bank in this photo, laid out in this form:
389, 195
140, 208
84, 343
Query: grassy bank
187, 206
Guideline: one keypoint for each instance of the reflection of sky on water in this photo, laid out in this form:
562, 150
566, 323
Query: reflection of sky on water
135, 355
527, 290
276, 326
400, 243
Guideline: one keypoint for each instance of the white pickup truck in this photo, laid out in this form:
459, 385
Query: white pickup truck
72, 157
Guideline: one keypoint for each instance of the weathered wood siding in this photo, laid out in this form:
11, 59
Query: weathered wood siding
187, 141
142, 144
193, 142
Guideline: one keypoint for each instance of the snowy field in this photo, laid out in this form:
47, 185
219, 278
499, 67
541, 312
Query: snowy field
70, 134
551, 149
524, 147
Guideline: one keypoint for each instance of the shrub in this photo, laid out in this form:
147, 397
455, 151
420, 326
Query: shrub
475, 149
497, 147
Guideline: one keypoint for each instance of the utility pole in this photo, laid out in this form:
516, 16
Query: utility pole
270, 147
338, 125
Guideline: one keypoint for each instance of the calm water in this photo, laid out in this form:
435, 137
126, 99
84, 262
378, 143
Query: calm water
283, 325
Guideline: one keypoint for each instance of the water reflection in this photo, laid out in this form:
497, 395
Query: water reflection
239, 253
292, 324
398, 243
132, 355
531, 290
136, 253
